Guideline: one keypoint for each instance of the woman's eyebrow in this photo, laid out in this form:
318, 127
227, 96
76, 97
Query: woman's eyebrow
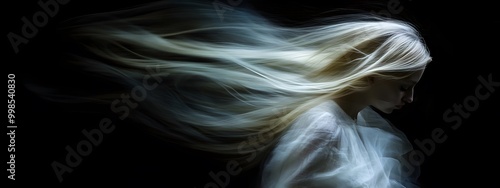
410, 82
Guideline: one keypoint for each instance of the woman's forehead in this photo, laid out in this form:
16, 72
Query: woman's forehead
415, 76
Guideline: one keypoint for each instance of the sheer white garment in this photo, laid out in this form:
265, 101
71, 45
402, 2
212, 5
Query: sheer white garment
326, 148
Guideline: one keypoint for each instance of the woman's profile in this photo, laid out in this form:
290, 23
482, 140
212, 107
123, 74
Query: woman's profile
301, 103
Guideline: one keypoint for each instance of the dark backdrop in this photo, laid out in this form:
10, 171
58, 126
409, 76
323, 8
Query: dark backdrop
454, 149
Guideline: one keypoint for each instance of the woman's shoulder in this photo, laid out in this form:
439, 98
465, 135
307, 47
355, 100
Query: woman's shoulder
324, 116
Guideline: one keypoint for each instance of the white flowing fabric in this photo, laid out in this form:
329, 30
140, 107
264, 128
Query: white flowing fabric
326, 148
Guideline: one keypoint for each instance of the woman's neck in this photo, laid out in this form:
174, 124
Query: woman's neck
352, 104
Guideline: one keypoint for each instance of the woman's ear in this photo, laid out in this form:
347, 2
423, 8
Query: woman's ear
370, 79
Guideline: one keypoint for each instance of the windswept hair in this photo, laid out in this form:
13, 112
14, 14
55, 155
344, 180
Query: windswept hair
232, 86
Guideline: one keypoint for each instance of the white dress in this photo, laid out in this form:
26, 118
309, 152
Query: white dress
325, 148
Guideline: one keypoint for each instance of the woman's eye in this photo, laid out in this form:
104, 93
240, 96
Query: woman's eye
403, 88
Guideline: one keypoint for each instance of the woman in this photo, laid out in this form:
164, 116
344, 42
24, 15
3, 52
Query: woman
296, 100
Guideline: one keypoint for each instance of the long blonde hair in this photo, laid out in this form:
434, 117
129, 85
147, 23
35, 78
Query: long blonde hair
226, 83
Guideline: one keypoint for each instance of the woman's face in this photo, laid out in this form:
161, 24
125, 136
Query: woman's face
387, 95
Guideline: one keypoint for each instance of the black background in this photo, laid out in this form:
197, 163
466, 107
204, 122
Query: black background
462, 36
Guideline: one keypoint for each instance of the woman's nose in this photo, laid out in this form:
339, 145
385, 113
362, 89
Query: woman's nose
408, 97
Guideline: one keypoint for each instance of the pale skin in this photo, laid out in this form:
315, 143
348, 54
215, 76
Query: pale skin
385, 95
